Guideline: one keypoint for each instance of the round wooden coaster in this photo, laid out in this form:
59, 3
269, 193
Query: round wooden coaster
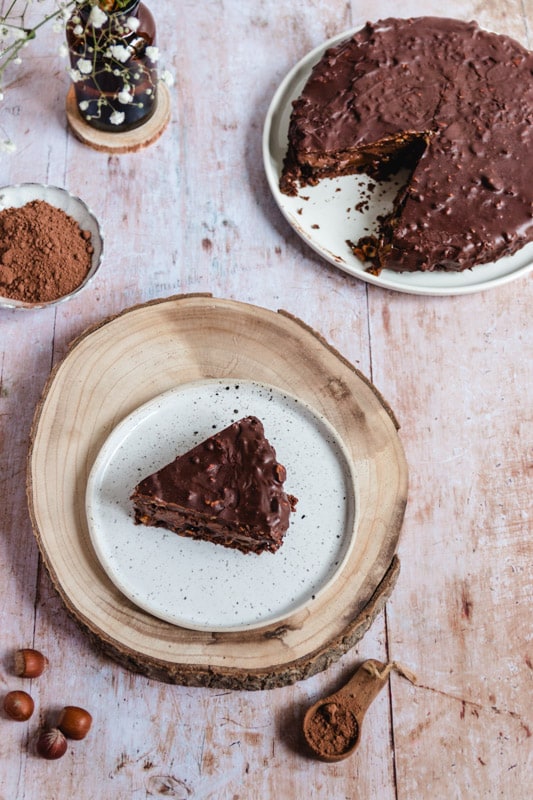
120, 142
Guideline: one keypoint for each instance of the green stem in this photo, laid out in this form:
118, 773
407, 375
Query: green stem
11, 51
9, 10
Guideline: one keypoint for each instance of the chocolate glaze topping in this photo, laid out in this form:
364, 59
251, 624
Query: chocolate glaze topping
452, 102
228, 489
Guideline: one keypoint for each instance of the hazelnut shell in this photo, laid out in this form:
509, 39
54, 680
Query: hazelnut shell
74, 722
51, 744
30, 663
18, 705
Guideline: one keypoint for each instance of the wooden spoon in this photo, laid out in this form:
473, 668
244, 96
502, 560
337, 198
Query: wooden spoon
332, 726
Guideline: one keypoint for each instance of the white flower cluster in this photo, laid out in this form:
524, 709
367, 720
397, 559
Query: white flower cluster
7, 146
119, 52
97, 17
15, 34
152, 53
117, 117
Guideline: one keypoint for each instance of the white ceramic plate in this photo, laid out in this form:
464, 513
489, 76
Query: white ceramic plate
326, 215
204, 586
20, 194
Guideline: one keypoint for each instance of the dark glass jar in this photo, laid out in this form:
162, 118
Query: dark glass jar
113, 58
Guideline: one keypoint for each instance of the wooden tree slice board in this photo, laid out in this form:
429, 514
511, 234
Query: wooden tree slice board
129, 359
124, 141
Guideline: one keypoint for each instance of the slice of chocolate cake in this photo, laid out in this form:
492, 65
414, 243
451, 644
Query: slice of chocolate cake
451, 102
227, 490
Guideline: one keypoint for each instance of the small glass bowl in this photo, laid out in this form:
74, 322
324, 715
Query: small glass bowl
22, 193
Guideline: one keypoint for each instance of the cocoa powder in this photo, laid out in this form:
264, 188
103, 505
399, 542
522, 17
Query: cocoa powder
332, 729
44, 254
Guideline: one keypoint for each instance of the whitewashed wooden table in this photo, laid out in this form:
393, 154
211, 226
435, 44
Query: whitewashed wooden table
193, 213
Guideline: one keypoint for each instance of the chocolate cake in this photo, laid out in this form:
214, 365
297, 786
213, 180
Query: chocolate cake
452, 103
227, 490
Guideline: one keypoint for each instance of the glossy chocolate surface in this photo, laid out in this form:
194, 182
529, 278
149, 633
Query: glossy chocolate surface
228, 489
456, 104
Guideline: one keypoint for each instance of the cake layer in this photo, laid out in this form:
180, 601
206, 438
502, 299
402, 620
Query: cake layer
198, 526
448, 100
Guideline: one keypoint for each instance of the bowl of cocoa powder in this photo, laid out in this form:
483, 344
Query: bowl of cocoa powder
51, 245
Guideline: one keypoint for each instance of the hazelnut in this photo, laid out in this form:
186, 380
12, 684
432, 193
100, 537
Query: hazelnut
74, 722
18, 705
280, 473
29, 663
51, 744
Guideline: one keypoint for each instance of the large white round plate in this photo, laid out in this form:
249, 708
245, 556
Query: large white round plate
200, 585
341, 209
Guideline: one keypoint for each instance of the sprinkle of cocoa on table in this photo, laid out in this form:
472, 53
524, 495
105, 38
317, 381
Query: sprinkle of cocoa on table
332, 729
44, 254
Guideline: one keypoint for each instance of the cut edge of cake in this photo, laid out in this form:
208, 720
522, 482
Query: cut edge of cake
379, 160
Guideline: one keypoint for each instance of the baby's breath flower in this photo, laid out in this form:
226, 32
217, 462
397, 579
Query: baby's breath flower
84, 65
117, 118
119, 53
152, 53
167, 77
97, 17
8, 146
94, 54
125, 96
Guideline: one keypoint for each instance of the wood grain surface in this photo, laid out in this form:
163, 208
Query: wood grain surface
192, 213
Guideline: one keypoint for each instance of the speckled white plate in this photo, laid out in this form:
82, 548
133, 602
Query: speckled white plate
197, 584
341, 209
